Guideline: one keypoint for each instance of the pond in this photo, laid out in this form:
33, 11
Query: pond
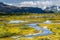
17, 21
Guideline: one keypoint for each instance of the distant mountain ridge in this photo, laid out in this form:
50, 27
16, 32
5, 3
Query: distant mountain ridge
53, 8
8, 9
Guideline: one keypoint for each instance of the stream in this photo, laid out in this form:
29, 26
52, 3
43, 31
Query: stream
46, 31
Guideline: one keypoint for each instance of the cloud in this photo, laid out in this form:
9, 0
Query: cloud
27, 4
39, 3
8, 3
36, 4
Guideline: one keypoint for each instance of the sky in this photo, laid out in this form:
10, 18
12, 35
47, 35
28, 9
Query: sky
32, 3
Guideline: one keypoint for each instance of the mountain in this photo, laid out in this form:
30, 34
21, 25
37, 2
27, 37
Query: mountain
32, 10
8, 9
4, 9
54, 9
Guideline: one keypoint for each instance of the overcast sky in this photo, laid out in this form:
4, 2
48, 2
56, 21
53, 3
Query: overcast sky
33, 3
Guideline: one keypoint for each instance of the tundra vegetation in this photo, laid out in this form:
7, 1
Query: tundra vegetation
18, 30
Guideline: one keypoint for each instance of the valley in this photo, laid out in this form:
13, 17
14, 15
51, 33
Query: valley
30, 27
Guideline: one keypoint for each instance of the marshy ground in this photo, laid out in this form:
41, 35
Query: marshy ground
30, 27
